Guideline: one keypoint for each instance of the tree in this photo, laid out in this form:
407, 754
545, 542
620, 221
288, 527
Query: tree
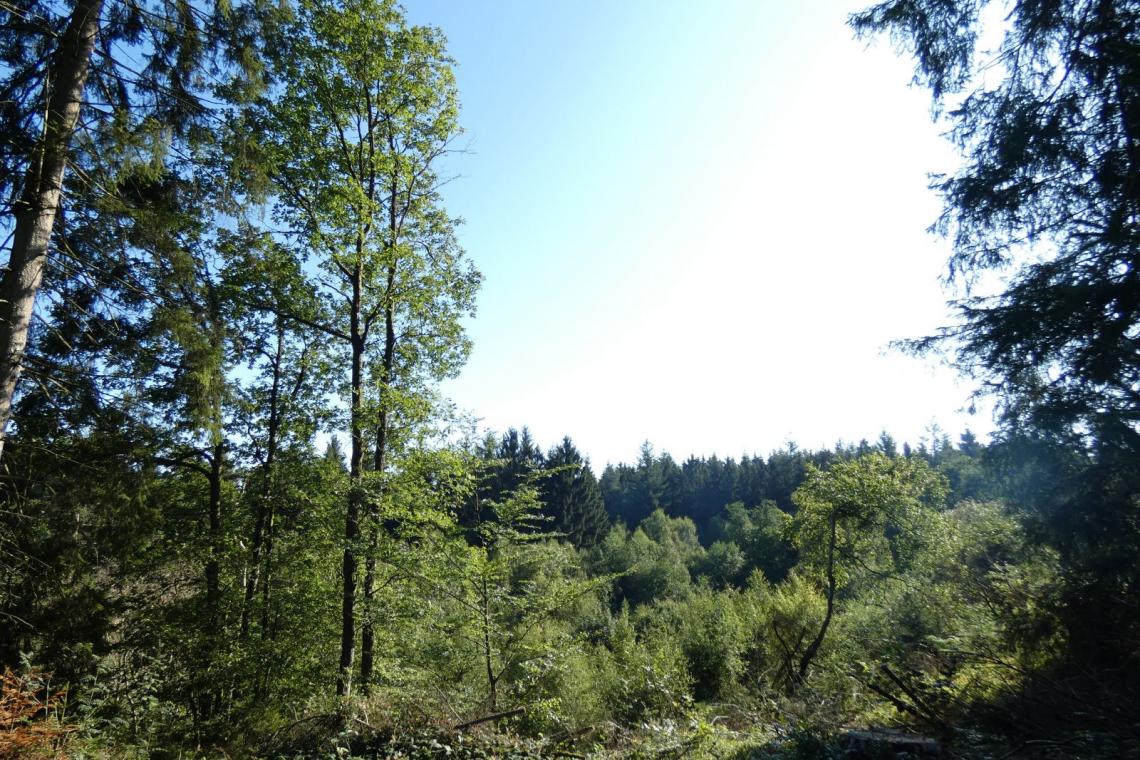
508, 588
651, 562
1050, 184
367, 107
518, 459
63, 103
571, 497
36, 210
1050, 191
761, 535
278, 409
858, 516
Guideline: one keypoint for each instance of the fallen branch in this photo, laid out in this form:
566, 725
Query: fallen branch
563, 737
492, 717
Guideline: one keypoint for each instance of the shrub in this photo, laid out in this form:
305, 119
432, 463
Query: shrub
711, 637
643, 677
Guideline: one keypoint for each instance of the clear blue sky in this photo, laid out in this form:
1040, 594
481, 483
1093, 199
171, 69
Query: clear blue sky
700, 224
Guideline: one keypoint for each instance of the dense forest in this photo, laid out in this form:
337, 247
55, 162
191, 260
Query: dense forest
238, 518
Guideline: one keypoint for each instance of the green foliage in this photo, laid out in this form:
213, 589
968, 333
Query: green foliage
722, 564
643, 676
761, 533
651, 562
860, 520
571, 497
866, 517
1046, 169
712, 639
509, 597
174, 547
1047, 192
791, 613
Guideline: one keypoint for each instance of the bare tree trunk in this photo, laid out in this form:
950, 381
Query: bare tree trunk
38, 206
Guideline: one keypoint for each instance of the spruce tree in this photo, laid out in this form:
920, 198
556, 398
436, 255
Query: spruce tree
571, 497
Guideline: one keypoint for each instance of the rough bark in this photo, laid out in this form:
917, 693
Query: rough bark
38, 207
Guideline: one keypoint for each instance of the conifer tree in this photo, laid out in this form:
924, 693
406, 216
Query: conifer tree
111, 111
571, 497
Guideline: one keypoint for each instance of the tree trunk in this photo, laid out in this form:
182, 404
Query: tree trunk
263, 506
213, 562
488, 655
367, 635
355, 494
36, 211
267, 631
817, 642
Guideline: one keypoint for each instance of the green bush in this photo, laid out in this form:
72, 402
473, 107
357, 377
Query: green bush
642, 677
711, 637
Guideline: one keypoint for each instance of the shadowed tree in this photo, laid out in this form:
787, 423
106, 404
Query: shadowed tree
106, 84
1049, 192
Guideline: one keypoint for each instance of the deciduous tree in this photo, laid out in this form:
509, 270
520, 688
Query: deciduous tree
860, 516
352, 142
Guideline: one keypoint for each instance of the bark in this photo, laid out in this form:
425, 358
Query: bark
355, 494
817, 642
263, 518
38, 207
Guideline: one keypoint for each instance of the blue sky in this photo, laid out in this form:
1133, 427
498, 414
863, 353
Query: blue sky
700, 224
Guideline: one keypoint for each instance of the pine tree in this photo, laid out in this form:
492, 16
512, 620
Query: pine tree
571, 497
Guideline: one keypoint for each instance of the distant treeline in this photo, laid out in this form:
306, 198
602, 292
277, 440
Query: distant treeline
700, 488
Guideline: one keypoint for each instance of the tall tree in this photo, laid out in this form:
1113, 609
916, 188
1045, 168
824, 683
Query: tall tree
122, 101
35, 211
280, 405
1051, 141
1050, 190
352, 140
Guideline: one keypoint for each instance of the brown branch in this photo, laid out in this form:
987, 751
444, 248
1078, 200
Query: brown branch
492, 717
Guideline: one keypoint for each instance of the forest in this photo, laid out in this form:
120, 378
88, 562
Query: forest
238, 517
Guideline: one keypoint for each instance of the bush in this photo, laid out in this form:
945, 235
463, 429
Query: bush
711, 636
642, 677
